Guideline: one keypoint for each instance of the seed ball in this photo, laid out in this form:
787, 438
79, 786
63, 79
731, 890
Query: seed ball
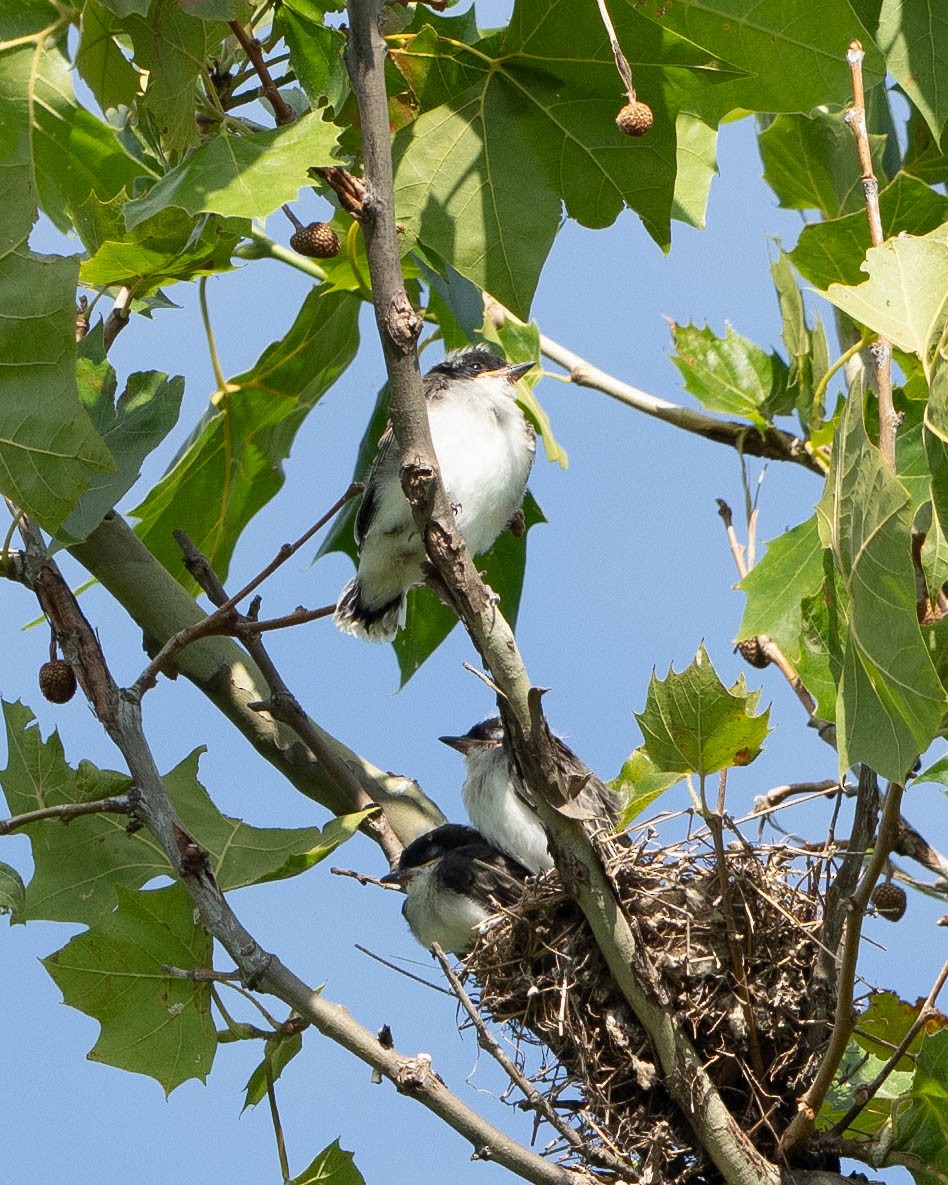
752, 652
635, 119
318, 241
57, 681
890, 901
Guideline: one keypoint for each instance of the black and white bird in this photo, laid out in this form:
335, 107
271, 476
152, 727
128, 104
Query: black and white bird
501, 805
485, 449
454, 881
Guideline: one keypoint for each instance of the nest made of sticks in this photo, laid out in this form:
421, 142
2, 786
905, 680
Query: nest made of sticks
734, 954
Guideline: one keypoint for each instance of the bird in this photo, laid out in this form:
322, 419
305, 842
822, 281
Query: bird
501, 805
485, 450
454, 881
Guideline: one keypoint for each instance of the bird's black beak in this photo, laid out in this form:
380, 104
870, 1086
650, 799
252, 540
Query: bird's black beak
519, 369
392, 878
461, 745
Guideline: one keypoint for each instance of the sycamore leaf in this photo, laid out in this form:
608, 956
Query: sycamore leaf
502, 145
920, 1127
732, 374
278, 1052
233, 463
832, 251
891, 702
100, 61
906, 295
639, 783
333, 1166
12, 890
809, 163
791, 569
914, 39
77, 868
132, 427
49, 449
151, 1022
692, 723
241, 176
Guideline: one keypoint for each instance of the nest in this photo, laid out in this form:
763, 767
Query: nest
741, 998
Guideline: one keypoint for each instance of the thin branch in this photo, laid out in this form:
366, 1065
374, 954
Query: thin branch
803, 1123
535, 1100
67, 811
868, 1090
117, 319
119, 712
747, 438
881, 349
622, 64
765, 803
217, 622
282, 112
231, 680
686, 1077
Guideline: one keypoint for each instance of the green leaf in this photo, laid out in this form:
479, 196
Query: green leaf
920, 1128
244, 176
317, 53
890, 702
791, 569
834, 252
906, 295
936, 444
170, 247
233, 464
173, 47
696, 158
936, 772
151, 1022
428, 622
731, 374
131, 427
279, 1051
76, 868
693, 724
787, 56
639, 783
856, 1071
103, 66
48, 446
333, 1166
12, 890
810, 163
80, 164
502, 144
806, 347
914, 38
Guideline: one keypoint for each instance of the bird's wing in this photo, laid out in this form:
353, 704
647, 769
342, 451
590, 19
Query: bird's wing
383, 460
490, 877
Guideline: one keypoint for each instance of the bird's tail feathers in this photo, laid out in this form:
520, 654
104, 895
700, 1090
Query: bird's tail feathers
378, 624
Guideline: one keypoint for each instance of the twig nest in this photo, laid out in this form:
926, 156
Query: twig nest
635, 119
741, 998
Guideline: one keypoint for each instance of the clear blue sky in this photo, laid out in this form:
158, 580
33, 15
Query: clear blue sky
632, 572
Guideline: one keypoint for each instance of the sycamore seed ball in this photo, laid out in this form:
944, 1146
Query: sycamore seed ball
318, 241
635, 119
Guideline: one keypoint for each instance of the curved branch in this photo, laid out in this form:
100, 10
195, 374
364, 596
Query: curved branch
119, 712
771, 443
685, 1075
222, 670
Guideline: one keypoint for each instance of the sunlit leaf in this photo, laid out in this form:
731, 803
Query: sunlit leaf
914, 38
639, 783
731, 374
278, 1053
12, 890
333, 1166
692, 723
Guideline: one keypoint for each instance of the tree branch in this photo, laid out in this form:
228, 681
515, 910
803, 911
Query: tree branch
685, 1075
746, 438
65, 812
119, 712
219, 668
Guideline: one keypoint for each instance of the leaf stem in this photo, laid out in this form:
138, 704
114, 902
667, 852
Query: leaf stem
222, 386
881, 350
622, 63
